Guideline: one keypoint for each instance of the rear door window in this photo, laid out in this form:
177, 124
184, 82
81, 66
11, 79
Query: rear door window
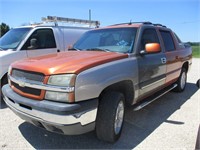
168, 40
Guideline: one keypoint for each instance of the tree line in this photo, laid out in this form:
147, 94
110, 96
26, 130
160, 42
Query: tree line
4, 28
194, 43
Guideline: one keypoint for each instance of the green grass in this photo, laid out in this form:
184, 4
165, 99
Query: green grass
196, 51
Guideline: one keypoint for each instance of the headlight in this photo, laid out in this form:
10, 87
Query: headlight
62, 80
57, 96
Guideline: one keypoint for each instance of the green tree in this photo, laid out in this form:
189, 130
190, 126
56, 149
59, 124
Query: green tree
4, 28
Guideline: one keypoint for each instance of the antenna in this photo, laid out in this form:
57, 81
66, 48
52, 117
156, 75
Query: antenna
56, 19
90, 15
130, 23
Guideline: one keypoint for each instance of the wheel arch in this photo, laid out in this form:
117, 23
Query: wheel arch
4, 79
186, 66
125, 87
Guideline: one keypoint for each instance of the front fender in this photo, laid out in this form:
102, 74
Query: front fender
90, 83
8, 57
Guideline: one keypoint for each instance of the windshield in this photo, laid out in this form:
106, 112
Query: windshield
114, 40
13, 38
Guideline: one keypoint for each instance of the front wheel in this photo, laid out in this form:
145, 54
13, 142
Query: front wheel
181, 82
110, 117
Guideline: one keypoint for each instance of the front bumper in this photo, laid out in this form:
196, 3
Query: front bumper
70, 119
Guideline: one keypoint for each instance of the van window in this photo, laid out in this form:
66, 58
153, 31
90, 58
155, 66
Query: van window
13, 38
168, 40
40, 39
149, 36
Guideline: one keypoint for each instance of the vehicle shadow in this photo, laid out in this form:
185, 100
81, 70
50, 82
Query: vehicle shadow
138, 126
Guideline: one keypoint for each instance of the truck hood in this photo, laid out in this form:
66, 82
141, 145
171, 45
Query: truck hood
67, 62
7, 52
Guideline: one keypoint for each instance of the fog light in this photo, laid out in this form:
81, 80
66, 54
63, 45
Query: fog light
57, 96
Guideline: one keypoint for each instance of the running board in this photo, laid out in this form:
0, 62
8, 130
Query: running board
154, 97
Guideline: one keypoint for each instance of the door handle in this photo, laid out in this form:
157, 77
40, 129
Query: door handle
163, 60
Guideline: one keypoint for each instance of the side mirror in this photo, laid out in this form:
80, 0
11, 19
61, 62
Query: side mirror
33, 44
152, 48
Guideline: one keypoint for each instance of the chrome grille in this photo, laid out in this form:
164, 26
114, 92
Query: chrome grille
28, 75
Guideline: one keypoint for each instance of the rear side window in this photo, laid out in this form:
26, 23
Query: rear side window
40, 39
178, 39
168, 40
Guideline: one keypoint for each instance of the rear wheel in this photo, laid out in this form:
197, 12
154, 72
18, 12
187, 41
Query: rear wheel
110, 117
181, 82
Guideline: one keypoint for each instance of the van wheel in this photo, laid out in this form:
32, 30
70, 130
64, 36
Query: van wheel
181, 82
110, 117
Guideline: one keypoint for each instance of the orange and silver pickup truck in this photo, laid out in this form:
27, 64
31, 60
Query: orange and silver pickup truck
88, 87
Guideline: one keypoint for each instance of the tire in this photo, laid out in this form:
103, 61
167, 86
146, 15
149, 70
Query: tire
110, 117
181, 82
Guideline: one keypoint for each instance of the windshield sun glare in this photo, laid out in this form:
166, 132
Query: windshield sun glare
115, 40
13, 38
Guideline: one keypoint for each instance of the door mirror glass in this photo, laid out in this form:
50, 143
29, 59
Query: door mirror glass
152, 48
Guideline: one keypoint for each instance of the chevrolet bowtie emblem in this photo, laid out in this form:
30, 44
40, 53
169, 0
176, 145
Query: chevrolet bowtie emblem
21, 82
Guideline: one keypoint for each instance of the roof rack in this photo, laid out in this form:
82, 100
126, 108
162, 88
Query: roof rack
56, 19
158, 24
36, 24
145, 22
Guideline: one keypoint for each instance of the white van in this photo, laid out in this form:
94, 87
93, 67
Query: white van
37, 40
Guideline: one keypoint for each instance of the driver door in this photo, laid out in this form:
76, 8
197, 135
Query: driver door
152, 66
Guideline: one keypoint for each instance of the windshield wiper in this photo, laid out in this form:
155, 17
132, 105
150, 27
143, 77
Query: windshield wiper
73, 48
98, 49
